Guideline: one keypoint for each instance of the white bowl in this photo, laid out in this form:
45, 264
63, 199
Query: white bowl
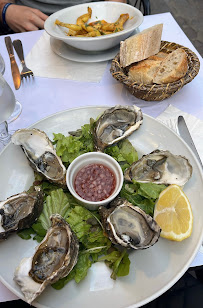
109, 11
94, 158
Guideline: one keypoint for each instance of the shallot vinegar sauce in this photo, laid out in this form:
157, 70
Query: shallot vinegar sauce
95, 182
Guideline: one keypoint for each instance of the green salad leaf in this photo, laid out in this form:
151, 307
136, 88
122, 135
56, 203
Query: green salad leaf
78, 273
70, 147
143, 195
56, 202
123, 152
118, 261
26, 234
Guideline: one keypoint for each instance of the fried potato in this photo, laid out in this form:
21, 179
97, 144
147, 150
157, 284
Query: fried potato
120, 22
81, 20
94, 33
70, 26
94, 28
108, 27
97, 24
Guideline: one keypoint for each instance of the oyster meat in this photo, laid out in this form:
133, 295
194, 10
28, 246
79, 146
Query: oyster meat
116, 124
41, 154
129, 226
161, 167
54, 258
19, 212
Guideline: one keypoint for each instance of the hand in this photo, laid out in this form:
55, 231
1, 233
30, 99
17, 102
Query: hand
22, 18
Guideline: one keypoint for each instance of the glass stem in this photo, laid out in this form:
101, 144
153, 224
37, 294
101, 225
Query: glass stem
4, 135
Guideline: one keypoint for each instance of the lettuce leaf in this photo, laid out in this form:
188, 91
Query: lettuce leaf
70, 147
123, 152
150, 190
56, 202
88, 231
143, 195
78, 273
119, 262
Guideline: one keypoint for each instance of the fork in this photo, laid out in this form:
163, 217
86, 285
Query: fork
26, 72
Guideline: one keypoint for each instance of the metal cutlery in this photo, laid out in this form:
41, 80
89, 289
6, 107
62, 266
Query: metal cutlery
26, 72
14, 68
2, 65
185, 134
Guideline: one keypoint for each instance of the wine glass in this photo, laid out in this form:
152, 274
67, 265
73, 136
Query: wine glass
18, 107
7, 106
2, 65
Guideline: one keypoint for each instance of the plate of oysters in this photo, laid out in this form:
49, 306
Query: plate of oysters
55, 252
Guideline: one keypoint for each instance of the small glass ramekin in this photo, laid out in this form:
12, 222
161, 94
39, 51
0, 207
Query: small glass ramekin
94, 158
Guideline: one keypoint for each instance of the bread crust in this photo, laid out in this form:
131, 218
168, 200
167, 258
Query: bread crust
159, 56
160, 68
172, 68
141, 45
143, 71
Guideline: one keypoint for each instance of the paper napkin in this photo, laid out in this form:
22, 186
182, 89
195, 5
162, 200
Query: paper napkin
195, 126
45, 63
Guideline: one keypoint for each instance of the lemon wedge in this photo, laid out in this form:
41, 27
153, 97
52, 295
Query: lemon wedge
173, 213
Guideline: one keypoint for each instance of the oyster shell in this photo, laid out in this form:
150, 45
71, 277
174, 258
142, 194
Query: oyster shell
161, 167
54, 258
129, 226
19, 212
41, 154
116, 124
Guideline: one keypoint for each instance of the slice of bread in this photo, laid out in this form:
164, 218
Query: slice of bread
172, 68
159, 56
143, 71
141, 46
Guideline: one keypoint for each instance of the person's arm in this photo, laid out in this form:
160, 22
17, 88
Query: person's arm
2, 4
22, 18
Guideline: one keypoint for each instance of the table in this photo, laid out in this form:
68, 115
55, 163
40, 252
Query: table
43, 96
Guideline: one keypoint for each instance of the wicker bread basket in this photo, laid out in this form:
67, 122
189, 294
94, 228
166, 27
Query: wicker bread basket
157, 92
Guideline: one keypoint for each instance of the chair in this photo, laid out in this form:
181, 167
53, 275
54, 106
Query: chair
142, 5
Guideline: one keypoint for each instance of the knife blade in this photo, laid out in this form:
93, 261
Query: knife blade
14, 68
185, 134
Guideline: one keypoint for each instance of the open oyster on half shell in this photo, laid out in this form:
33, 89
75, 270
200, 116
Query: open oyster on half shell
19, 212
160, 167
129, 226
54, 258
116, 124
41, 154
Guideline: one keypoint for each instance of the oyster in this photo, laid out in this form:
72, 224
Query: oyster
54, 258
41, 154
161, 167
129, 226
19, 212
116, 124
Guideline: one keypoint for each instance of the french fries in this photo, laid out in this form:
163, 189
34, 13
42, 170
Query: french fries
95, 28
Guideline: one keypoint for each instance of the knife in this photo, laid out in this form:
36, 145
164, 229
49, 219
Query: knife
185, 134
14, 68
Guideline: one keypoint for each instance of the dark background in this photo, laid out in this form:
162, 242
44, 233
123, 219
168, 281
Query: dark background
189, 16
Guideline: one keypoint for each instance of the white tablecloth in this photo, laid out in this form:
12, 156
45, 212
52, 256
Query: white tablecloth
42, 97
